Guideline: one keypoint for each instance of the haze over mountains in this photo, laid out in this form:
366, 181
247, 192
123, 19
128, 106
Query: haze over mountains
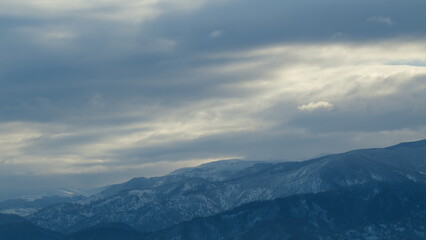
340, 196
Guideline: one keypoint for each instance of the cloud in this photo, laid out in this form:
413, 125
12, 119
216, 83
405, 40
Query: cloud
312, 106
114, 10
259, 96
119, 88
380, 19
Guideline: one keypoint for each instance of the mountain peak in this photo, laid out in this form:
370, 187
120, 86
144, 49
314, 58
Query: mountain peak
212, 165
215, 171
414, 144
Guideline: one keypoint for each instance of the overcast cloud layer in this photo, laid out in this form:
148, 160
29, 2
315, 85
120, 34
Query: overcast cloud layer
95, 92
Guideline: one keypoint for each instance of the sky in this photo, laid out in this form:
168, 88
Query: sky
95, 92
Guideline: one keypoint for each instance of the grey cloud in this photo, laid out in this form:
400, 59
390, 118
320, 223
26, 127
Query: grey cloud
99, 79
100, 59
250, 23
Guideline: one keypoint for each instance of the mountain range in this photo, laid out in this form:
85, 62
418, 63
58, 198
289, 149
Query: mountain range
353, 195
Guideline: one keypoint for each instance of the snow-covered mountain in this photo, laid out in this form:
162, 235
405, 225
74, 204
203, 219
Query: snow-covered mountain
215, 171
385, 211
212, 172
373, 211
150, 204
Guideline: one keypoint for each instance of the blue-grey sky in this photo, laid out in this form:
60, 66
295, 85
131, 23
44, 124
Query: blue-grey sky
99, 91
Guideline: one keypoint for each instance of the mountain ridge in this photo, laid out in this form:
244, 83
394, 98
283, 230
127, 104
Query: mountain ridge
152, 204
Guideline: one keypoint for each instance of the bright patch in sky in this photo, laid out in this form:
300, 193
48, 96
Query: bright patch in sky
312, 106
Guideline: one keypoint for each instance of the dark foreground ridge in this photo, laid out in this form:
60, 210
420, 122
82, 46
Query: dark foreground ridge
378, 211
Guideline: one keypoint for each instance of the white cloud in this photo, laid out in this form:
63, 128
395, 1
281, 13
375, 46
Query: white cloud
312, 106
